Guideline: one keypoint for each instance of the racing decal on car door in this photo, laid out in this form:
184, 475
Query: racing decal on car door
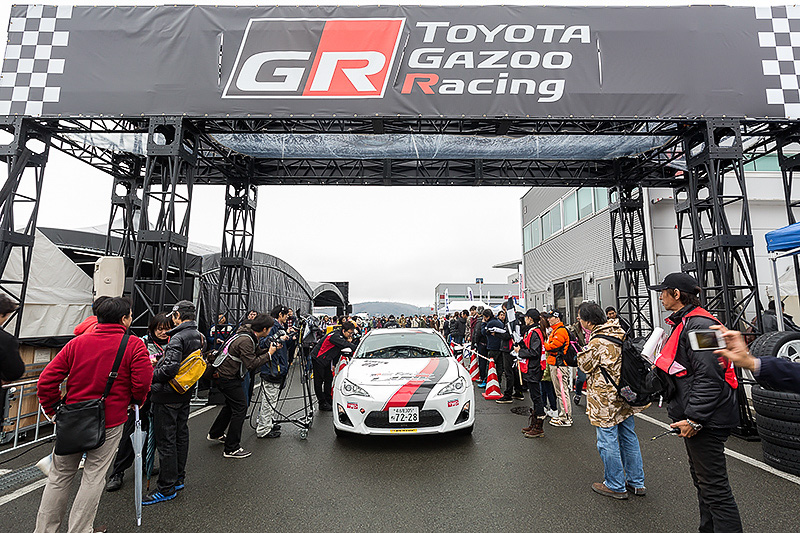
416, 391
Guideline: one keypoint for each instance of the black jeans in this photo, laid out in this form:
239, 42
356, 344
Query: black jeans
536, 397
231, 416
172, 441
510, 376
718, 510
124, 458
323, 380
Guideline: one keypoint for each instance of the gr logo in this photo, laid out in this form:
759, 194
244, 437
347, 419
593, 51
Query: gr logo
314, 58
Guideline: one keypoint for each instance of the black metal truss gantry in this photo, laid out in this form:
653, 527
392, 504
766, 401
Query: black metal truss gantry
154, 177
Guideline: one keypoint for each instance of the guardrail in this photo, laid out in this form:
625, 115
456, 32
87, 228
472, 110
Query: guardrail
16, 391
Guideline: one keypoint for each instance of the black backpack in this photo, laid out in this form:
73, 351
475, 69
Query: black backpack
570, 351
634, 386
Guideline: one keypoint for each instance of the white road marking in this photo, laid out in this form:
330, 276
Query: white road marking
22, 491
41, 483
736, 455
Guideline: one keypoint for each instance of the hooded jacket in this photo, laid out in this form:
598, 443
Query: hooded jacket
183, 341
604, 406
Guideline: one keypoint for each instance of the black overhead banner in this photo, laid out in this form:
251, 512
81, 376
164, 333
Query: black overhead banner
457, 62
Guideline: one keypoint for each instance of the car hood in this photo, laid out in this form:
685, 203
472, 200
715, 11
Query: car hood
398, 372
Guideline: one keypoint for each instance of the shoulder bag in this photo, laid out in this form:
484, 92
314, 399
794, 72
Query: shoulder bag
81, 426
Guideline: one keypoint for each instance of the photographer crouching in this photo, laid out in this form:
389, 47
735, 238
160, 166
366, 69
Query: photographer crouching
238, 355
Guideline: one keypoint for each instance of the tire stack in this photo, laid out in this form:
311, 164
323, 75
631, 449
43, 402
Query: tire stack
778, 413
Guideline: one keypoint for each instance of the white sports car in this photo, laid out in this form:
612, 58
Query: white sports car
403, 381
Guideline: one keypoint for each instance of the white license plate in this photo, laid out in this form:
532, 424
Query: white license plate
403, 415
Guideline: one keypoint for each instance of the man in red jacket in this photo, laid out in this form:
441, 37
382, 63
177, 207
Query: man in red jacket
86, 362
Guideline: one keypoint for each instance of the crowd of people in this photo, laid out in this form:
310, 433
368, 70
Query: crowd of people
537, 357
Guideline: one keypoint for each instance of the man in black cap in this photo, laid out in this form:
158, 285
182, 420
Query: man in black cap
700, 388
170, 408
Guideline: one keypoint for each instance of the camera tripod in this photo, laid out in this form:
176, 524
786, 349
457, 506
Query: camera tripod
291, 407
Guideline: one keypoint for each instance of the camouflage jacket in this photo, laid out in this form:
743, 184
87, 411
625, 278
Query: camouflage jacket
604, 406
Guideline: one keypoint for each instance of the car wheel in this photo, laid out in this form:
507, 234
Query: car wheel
778, 344
777, 405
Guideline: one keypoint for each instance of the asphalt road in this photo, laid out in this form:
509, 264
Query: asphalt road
494, 479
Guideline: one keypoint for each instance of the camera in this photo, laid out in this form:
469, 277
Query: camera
275, 338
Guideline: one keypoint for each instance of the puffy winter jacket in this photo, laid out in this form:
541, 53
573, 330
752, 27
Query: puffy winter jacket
183, 341
702, 395
461, 327
276, 367
556, 342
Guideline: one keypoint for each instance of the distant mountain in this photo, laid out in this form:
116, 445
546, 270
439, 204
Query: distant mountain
390, 308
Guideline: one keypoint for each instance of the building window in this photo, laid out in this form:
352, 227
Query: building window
555, 218
546, 228
526, 238
585, 207
570, 209
536, 230
600, 198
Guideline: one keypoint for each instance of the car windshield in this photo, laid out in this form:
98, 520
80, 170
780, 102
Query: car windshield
407, 345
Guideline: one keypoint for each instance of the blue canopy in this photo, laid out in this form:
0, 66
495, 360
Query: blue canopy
784, 239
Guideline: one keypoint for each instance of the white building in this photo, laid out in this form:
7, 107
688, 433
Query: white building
567, 250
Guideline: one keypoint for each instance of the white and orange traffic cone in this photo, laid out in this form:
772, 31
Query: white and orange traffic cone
492, 391
473, 368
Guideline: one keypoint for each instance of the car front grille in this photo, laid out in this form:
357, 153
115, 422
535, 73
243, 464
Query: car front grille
428, 418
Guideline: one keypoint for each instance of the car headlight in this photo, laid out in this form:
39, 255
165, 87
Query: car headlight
351, 389
458, 386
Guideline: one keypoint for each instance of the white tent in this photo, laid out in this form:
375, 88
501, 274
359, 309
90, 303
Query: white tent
461, 306
59, 294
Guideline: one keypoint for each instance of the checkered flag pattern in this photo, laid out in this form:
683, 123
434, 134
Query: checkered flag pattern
784, 69
34, 60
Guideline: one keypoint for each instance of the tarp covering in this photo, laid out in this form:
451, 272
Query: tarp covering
405, 146
495, 61
274, 281
59, 294
784, 239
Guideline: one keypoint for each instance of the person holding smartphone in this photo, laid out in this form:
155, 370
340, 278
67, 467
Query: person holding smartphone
700, 388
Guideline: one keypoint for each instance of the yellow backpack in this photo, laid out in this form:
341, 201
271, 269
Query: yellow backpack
192, 369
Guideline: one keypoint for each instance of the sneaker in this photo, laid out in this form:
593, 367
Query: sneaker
157, 497
241, 453
276, 426
482, 385
552, 413
505, 399
600, 488
577, 399
180, 484
559, 422
221, 438
518, 396
274, 434
325, 407
114, 483
638, 491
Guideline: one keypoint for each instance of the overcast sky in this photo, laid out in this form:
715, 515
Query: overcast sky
392, 244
